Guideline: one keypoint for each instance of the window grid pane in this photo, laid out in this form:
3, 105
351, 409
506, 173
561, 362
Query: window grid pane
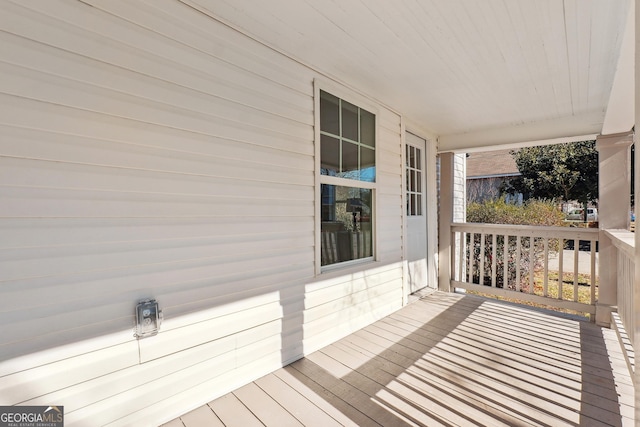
329, 113
354, 129
414, 181
329, 155
350, 161
367, 128
350, 121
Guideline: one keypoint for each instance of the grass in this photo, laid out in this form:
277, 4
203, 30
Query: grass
584, 289
553, 287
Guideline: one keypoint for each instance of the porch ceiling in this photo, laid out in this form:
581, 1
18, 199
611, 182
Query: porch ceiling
475, 73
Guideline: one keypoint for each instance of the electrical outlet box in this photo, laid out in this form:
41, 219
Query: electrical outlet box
148, 318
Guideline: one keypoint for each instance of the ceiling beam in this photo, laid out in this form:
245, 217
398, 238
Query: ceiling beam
566, 129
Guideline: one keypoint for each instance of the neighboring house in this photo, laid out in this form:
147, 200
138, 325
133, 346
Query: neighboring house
487, 172
265, 171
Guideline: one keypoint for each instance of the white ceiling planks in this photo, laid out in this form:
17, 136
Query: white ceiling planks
620, 113
474, 72
543, 86
602, 54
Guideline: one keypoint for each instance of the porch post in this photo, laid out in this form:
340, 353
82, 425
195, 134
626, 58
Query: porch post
444, 221
614, 179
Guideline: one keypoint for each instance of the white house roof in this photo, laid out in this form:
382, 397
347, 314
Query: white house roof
475, 73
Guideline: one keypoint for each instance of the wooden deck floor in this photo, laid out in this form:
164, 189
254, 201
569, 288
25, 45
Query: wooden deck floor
446, 360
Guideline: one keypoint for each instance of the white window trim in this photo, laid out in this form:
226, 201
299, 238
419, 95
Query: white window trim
364, 103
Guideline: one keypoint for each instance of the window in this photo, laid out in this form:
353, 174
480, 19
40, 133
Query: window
414, 180
347, 180
347, 140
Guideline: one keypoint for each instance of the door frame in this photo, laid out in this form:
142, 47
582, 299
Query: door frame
431, 212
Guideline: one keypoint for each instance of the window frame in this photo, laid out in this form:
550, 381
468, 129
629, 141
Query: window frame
415, 208
362, 103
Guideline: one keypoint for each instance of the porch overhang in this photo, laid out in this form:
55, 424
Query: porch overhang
473, 74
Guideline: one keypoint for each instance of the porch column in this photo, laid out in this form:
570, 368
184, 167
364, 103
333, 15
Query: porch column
614, 180
444, 220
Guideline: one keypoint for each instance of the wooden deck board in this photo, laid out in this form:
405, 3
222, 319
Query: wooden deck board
448, 360
268, 411
203, 416
174, 423
337, 408
294, 401
233, 412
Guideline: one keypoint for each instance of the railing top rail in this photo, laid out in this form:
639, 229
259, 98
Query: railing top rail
527, 230
624, 240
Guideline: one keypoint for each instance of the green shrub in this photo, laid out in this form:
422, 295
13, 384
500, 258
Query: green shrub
533, 212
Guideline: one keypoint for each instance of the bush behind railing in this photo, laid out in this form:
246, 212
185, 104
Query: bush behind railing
532, 212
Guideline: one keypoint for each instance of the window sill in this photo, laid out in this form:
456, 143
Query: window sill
346, 267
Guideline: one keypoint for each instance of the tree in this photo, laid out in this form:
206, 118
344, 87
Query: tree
561, 171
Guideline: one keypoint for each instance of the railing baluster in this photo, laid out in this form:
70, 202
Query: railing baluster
463, 257
545, 284
592, 281
576, 269
455, 248
472, 254
532, 263
518, 256
481, 271
494, 259
505, 265
560, 267
457, 260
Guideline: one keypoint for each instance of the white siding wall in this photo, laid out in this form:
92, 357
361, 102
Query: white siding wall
147, 150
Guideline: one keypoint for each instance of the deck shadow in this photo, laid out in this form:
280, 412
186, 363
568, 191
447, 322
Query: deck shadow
475, 362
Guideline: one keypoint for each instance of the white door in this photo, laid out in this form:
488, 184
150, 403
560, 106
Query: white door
416, 213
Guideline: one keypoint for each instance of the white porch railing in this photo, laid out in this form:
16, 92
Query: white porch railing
624, 243
522, 271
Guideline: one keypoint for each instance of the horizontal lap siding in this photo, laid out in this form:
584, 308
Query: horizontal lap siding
390, 209
147, 150
341, 303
